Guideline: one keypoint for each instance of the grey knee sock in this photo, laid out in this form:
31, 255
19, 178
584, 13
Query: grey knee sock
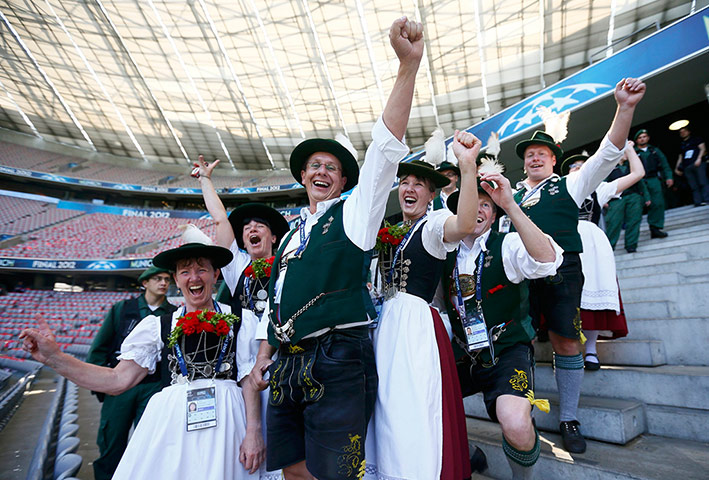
568, 371
522, 463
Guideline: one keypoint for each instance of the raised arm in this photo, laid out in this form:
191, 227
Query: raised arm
406, 38
466, 147
628, 92
537, 244
215, 207
637, 171
40, 343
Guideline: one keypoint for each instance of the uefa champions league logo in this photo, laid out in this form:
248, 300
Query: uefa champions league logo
557, 100
101, 266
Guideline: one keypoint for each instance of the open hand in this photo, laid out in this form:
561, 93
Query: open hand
202, 168
406, 36
501, 193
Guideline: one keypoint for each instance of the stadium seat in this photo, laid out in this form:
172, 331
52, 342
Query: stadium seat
66, 466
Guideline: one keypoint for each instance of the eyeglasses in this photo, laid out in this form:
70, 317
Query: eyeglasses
314, 166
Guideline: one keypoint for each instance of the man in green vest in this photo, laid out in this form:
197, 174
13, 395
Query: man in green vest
504, 370
323, 384
451, 171
553, 204
656, 167
120, 412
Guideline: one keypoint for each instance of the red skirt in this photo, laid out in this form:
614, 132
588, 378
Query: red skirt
606, 320
456, 461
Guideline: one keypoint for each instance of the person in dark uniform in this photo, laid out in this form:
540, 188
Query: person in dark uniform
656, 167
120, 412
553, 203
689, 164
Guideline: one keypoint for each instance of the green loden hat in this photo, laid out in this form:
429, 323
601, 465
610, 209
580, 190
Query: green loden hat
539, 138
261, 213
219, 256
448, 166
305, 149
150, 272
640, 132
424, 170
570, 161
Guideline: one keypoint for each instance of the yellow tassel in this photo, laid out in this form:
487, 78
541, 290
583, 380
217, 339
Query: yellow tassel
541, 403
583, 338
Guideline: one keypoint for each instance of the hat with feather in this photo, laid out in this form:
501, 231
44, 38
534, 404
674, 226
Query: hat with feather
555, 131
435, 154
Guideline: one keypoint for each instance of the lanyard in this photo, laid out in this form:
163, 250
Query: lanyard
247, 292
180, 357
303, 239
400, 247
533, 191
478, 285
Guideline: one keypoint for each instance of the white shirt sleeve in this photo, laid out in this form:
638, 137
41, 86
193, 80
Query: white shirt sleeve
432, 234
363, 211
606, 191
143, 345
520, 265
232, 272
593, 171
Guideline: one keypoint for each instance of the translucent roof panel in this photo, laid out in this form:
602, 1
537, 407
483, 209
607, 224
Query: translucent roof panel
165, 80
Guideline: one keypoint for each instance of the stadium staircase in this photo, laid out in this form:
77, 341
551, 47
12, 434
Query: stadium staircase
645, 413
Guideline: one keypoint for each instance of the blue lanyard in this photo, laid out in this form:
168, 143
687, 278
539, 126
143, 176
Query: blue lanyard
180, 357
303, 239
247, 291
478, 286
400, 247
533, 191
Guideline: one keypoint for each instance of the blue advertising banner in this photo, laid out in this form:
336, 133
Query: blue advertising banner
86, 265
681, 40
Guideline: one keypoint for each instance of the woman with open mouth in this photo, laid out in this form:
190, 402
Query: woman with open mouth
412, 427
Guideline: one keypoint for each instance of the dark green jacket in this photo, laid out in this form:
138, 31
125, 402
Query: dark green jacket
655, 163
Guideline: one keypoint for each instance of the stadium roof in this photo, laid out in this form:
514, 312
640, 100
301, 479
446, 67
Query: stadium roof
245, 81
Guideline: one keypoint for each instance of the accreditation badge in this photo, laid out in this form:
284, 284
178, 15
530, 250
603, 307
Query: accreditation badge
201, 408
505, 224
475, 331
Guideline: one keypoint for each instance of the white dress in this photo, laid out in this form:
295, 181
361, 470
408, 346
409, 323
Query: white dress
405, 434
161, 446
600, 287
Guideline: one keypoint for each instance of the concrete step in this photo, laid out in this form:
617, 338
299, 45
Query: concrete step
697, 242
669, 385
646, 309
621, 351
635, 260
648, 457
685, 300
685, 423
642, 281
684, 339
685, 266
606, 419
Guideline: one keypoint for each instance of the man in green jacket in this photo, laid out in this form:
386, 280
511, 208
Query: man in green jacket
656, 167
119, 412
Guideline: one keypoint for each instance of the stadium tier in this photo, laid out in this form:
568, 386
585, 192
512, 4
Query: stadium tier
101, 235
74, 317
19, 215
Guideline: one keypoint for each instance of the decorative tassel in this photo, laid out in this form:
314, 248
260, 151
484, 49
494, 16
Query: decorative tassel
343, 140
541, 403
582, 338
435, 148
555, 124
192, 234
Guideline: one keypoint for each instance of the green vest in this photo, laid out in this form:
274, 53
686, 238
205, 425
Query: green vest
556, 214
502, 300
330, 264
438, 203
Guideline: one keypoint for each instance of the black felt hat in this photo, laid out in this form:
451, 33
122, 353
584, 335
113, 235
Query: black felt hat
539, 138
452, 201
305, 149
424, 170
259, 212
448, 166
570, 161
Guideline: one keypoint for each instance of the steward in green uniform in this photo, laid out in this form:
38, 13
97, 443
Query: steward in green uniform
628, 210
656, 169
120, 412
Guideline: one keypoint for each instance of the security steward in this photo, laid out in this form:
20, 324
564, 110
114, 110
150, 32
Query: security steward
656, 169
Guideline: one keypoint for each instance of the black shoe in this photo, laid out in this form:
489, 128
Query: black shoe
571, 437
592, 366
657, 233
478, 461
632, 249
